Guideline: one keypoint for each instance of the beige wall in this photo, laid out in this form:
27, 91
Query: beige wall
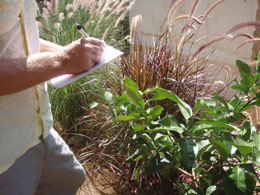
226, 15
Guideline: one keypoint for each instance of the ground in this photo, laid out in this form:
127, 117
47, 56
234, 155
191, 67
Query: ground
100, 182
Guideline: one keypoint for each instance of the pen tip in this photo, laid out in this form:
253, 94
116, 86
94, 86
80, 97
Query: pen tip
78, 26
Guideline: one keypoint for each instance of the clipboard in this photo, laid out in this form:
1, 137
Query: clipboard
109, 54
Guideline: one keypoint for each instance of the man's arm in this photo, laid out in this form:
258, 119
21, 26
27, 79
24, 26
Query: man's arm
49, 46
20, 74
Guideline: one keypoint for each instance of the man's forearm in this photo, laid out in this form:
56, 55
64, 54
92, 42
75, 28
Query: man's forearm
47, 46
20, 74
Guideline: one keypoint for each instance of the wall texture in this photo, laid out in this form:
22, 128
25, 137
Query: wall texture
220, 20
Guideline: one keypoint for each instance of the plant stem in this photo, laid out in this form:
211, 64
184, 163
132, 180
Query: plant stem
250, 101
239, 102
181, 170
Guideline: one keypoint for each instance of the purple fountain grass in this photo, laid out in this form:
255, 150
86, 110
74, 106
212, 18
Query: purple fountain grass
135, 21
185, 17
247, 35
212, 7
188, 26
172, 10
202, 47
242, 25
156, 66
194, 6
247, 41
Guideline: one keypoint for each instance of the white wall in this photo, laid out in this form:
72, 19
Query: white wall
223, 17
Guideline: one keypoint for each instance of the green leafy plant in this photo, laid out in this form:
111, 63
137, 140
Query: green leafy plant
214, 149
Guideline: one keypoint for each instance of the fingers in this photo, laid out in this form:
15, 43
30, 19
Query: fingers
82, 54
92, 41
94, 57
93, 48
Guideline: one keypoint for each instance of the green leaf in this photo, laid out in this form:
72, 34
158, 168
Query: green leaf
257, 77
155, 111
256, 156
234, 101
249, 167
122, 100
257, 103
135, 97
243, 67
240, 87
256, 139
165, 94
137, 171
148, 140
139, 157
158, 136
170, 123
210, 190
139, 127
237, 117
130, 83
191, 192
93, 105
218, 124
256, 149
245, 150
221, 100
248, 80
237, 181
257, 66
221, 148
246, 130
254, 90
125, 118
244, 147
188, 148
203, 104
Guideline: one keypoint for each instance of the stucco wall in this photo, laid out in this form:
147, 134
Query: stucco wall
226, 15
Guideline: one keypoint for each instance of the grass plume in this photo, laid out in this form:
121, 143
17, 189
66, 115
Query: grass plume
247, 41
194, 6
242, 25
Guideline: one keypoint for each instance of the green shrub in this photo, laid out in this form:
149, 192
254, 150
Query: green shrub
214, 149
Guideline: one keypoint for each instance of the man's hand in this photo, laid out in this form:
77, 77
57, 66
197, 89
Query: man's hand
81, 55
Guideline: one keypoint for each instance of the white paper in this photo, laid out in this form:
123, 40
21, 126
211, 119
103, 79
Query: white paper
109, 54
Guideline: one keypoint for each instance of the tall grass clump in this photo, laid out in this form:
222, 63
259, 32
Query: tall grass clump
176, 60
104, 19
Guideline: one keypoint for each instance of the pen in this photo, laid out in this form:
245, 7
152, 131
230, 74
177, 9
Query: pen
81, 29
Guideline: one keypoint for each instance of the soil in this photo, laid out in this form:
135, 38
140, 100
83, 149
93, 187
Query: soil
101, 182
